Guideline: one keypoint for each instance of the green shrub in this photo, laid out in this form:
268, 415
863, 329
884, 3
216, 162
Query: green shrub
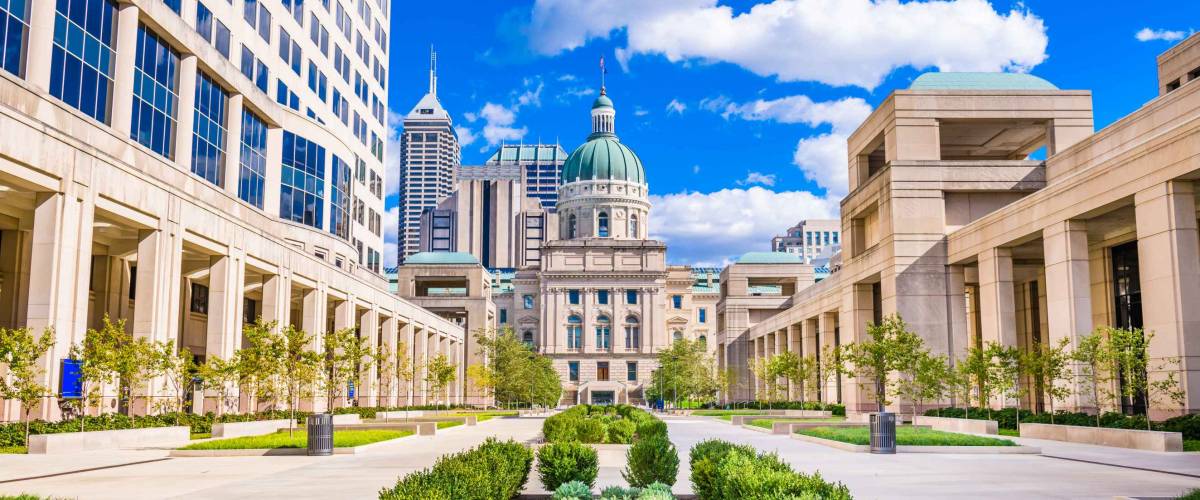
573, 490
650, 460
560, 428
493, 470
704, 458
652, 428
560, 463
743, 475
621, 431
591, 430
619, 493
656, 491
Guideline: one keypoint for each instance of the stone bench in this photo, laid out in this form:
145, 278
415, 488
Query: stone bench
959, 424
1120, 438
258, 428
74, 442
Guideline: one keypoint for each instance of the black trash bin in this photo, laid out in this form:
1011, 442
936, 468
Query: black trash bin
883, 433
320, 435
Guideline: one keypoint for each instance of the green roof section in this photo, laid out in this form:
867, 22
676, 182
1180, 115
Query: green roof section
979, 81
441, 258
602, 102
770, 258
603, 157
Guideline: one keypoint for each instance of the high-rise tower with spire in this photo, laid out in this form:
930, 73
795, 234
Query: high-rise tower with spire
429, 160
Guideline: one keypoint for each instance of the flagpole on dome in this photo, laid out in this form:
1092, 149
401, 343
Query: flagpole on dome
603, 71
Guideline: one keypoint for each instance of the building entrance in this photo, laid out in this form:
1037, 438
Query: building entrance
1127, 291
602, 397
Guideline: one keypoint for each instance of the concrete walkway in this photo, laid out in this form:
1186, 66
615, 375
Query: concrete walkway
339, 476
956, 476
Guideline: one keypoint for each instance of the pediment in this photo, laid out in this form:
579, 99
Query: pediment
677, 320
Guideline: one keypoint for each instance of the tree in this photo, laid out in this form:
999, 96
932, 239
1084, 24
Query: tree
831, 366
176, 367
932, 379
299, 366
480, 377
1092, 357
782, 366
19, 354
891, 345
440, 374
386, 361
684, 372
221, 376
1005, 373
514, 372
1128, 352
406, 371
961, 384
976, 370
259, 363
1047, 366
345, 354
759, 367
726, 380
95, 355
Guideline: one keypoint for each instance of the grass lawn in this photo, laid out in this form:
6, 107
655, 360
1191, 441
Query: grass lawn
201, 435
341, 439
767, 423
446, 424
1191, 445
1009, 432
484, 416
725, 414
905, 436
13, 450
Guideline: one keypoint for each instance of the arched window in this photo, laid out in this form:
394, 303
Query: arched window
603, 333
602, 225
633, 333
574, 332
678, 335
527, 337
571, 227
633, 225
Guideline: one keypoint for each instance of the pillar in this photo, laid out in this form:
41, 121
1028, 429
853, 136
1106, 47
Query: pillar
226, 282
408, 349
60, 255
277, 300
313, 324
1169, 271
233, 143
369, 329
1068, 291
389, 389
185, 112
827, 336
420, 360
123, 68
998, 312
40, 44
956, 310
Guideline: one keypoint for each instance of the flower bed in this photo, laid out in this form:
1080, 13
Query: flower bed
493, 470
721, 469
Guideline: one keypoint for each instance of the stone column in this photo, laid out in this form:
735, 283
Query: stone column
1169, 270
369, 392
407, 350
123, 69
225, 292
233, 143
272, 177
185, 112
157, 298
390, 332
420, 361
343, 318
1068, 290
828, 336
313, 324
277, 300
40, 44
60, 256
956, 308
997, 310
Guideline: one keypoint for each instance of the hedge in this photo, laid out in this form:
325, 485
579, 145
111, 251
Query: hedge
619, 424
651, 459
494, 470
559, 463
1188, 425
721, 469
836, 409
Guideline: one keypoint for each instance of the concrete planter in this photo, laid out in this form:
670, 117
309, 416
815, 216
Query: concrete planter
74, 442
393, 415
261, 452
790, 427
347, 419
418, 428
1120, 438
960, 450
745, 419
959, 424
239, 429
802, 413
611, 455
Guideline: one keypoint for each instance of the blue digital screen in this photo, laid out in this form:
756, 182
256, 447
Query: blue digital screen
71, 386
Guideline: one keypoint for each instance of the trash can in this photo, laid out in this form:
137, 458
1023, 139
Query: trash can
883, 433
320, 435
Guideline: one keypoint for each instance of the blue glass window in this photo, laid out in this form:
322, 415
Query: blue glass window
252, 173
631, 296
631, 371
208, 138
302, 183
81, 71
174, 5
602, 224
14, 33
573, 371
602, 297
603, 333
154, 93
254, 69
574, 332
339, 201
528, 300
573, 297
504, 315
677, 301
703, 315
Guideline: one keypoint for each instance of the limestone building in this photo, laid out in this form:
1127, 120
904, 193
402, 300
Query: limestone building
953, 222
811, 239
190, 166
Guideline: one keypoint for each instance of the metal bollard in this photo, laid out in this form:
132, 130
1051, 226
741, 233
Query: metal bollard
883, 433
320, 435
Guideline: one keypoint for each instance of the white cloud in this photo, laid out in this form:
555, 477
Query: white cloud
499, 124
391, 233
530, 96
638, 111
753, 178
567, 78
676, 107
710, 228
837, 42
573, 93
822, 158
695, 169
466, 136
391, 163
1147, 35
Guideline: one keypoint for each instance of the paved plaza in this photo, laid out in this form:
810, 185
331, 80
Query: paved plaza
1064, 470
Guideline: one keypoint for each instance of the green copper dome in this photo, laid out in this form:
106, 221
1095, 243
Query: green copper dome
603, 157
602, 102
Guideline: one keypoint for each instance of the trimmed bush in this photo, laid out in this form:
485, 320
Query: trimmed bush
573, 490
591, 430
621, 431
652, 428
721, 469
560, 428
650, 460
656, 491
1007, 419
704, 458
837, 409
493, 470
560, 463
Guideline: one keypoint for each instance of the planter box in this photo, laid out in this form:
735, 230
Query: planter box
347, 419
1120, 438
418, 428
74, 442
239, 429
959, 424
802, 413
610, 455
392, 415
262, 452
963, 450
745, 419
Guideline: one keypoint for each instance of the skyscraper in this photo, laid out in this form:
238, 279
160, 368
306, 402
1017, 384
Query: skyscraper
540, 168
429, 160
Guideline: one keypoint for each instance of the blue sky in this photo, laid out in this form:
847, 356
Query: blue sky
739, 109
